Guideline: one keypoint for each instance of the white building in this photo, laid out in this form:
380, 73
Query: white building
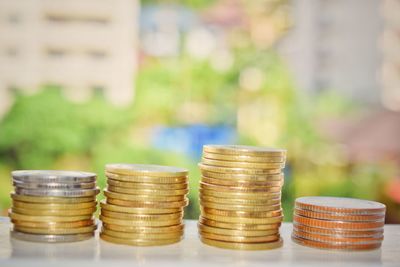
336, 44
80, 45
391, 55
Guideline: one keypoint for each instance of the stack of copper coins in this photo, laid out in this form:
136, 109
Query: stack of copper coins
53, 206
240, 196
144, 204
338, 223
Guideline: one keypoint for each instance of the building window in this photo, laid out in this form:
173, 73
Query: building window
14, 18
98, 55
11, 52
56, 53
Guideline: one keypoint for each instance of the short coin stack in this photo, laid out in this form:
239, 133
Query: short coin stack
240, 196
338, 223
53, 206
144, 204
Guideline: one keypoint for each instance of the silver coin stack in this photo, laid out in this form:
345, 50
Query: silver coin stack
53, 206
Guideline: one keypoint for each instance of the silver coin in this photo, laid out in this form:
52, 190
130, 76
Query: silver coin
57, 193
50, 238
50, 176
27, 185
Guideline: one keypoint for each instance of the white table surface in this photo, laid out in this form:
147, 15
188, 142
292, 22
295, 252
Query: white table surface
189, 252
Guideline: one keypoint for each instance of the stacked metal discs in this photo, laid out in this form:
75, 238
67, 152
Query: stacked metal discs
144, 204
338, 223
53, 206
240, 196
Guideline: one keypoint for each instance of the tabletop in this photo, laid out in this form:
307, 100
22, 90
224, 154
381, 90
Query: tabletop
189, 252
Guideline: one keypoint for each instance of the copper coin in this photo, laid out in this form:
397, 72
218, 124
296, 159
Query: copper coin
239, 226
147, 204
240, 195
53, 225
243, 158
241, 239
243, 177
241, 184
338, 224
245, 150
235, 207
248, 214
242, 220
337, 239
239, 201
240, 189
141, 185
338, 216
222, 231
338, 232
232, 170
340, 204
321, 245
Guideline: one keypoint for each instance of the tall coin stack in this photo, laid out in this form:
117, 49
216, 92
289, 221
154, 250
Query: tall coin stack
338, 223
240, 196
144, 204
53, 206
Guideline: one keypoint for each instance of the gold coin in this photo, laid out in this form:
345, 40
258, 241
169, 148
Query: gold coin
30, 218
54, 212
47, 200
241, 184
139, 242
240, 239
151, 197
239, 226
245, 165
251, 202
234, 207
242, 246
245, 220
232, 195
53, 225
145, 229
145, 236
134, 191
139, 185
246, 214
245, 150
147, 179
233, 232
148, 204
220, 188
146, 170
55, 231
52, 206
142, 217
243, 158
110, 207
232, 170
243, 177
127, 222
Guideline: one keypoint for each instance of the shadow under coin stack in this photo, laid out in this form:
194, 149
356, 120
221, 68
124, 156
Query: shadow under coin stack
240, 197
144, 204
53, 206
338, 223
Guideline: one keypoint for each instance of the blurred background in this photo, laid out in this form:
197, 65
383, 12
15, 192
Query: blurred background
89, 82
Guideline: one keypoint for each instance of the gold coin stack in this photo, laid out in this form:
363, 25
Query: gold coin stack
338, 223
53, 206
240, 196
144, 204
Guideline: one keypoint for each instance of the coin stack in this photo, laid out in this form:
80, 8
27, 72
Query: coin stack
144, 204
338, 223
53, 206
240, 196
